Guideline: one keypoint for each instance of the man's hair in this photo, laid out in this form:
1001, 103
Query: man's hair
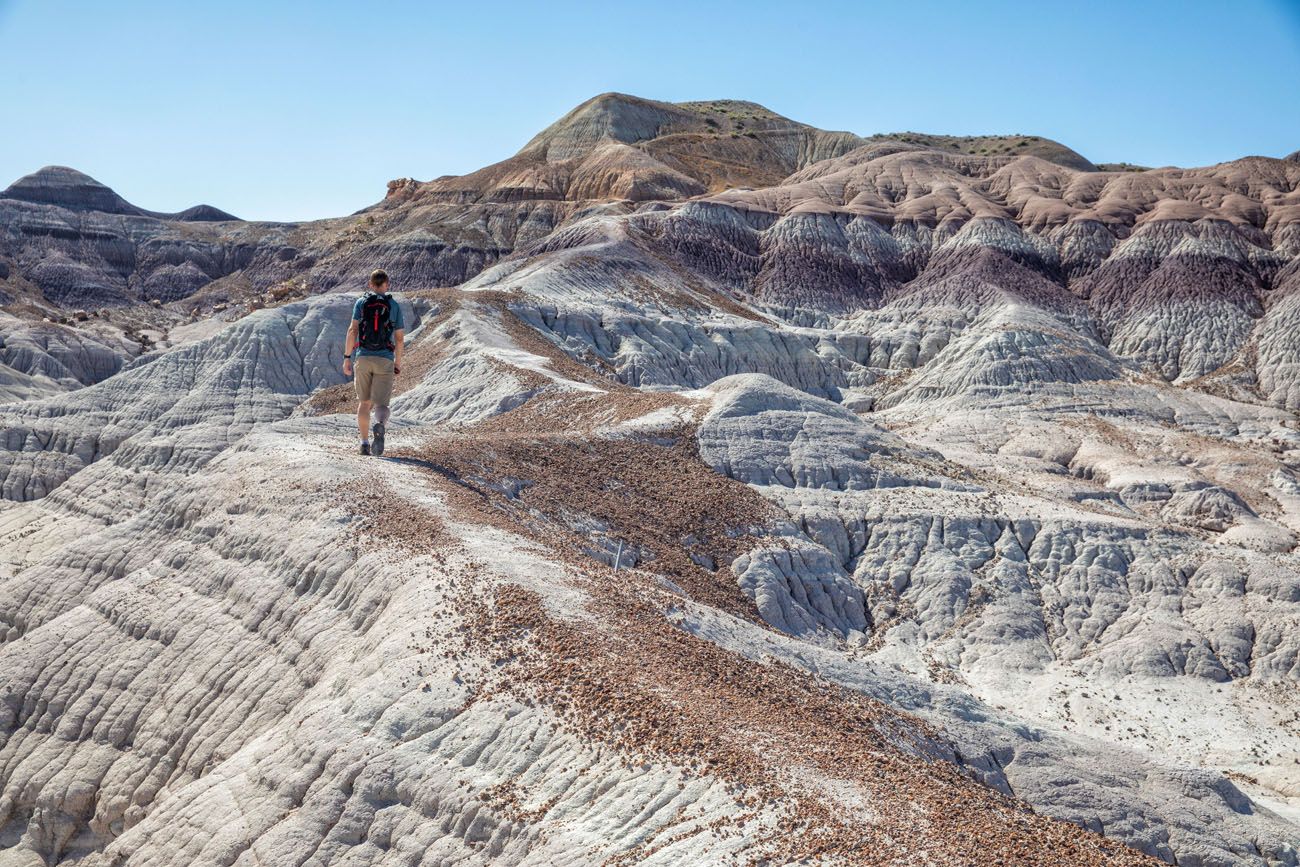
378, 277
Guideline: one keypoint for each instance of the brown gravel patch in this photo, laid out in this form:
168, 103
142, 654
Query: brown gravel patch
653, 691
392, 521
555, 408
673, 514
332, 399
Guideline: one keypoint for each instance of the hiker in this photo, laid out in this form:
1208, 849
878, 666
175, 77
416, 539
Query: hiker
376, 338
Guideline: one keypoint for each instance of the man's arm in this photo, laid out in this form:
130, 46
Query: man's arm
399, 343
349, 344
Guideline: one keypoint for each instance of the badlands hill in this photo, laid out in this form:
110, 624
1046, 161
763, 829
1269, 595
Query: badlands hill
71, 190
758, 495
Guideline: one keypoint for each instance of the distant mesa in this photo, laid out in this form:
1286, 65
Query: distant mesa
68, 188
635, 121
617, 146
632, 120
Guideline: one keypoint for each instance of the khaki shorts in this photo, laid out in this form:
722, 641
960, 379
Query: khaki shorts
374, 378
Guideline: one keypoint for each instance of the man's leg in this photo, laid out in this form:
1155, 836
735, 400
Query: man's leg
365, 382
363, 420
381, 390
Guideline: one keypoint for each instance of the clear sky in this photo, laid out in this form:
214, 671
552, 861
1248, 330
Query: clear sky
296, 110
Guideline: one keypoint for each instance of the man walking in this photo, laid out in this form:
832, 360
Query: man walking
376, 339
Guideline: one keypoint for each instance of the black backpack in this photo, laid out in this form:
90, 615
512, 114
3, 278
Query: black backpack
376, 332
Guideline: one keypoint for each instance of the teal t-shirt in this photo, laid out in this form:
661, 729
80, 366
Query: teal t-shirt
394, 315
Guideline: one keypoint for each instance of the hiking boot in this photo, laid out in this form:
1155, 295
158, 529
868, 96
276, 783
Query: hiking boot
365, 448
378, 433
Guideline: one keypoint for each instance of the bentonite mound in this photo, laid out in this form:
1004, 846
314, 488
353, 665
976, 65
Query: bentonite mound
70, 189
759, 495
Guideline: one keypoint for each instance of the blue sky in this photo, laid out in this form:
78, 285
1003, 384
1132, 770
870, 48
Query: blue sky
296, 110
